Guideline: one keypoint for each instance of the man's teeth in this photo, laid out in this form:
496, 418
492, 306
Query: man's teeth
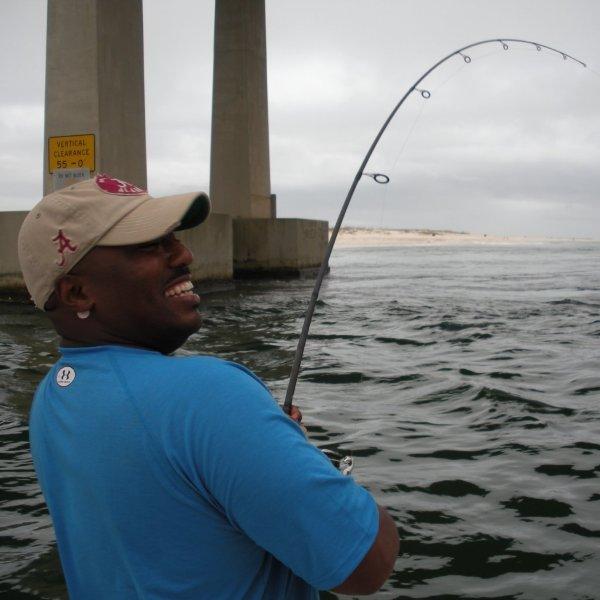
181, 288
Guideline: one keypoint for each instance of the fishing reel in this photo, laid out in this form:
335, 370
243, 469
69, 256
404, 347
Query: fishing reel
344, 464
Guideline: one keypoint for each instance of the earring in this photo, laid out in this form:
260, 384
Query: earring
84, 314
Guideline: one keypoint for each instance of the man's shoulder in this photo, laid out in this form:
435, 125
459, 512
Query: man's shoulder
201, 368
155, 364
185, 379
191, 394
223, 374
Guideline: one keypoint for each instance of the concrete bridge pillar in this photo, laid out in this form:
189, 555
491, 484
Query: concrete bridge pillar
240, 183
94, 120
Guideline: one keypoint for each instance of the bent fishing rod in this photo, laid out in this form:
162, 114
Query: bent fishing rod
383, 179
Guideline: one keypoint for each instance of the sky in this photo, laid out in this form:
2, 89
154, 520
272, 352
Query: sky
506, 144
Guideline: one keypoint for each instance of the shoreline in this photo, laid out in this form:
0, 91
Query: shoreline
365, 237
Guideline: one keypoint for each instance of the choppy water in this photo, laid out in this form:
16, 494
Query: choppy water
465, 381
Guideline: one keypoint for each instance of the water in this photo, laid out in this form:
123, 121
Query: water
464, 381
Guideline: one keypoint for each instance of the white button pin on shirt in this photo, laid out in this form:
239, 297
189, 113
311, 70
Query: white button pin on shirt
65, 376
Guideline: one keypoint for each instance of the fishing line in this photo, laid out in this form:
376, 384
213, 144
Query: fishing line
397, 160
594, 71
462, 54
454, 74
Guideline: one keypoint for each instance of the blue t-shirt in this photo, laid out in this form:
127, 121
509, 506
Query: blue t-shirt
180, 477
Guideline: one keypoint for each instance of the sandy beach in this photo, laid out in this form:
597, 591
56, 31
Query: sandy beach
357, 236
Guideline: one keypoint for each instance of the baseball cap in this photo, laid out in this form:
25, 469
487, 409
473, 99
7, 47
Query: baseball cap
103, 211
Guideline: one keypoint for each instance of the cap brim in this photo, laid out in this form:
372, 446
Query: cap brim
157, 217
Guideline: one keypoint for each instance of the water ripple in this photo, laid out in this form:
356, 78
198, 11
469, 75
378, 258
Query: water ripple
463, 381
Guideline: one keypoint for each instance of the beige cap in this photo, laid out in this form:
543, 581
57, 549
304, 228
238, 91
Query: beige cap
65, 225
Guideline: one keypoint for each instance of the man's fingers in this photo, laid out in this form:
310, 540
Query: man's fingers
295, 414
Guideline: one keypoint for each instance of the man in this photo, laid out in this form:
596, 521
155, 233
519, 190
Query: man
172, 477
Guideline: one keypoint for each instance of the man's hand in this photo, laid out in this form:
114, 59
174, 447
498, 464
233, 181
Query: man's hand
296, 415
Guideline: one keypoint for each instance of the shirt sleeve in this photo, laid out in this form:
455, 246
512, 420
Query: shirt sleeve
274, 485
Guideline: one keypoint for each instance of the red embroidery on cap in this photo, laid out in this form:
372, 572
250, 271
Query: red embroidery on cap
64, 244
111, 185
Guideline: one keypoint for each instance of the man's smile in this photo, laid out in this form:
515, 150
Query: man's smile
179, 289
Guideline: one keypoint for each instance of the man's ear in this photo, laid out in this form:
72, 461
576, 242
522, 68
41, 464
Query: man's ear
72, 292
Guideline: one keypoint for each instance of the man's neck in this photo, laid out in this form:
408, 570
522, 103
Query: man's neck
66, 342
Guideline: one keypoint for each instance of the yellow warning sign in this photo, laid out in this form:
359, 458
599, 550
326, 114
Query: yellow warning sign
72, 152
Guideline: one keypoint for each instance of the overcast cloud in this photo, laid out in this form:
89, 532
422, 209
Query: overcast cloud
509, 143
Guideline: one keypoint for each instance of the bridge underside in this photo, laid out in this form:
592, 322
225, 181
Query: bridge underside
95, 122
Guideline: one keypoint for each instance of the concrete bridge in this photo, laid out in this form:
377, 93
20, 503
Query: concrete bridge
95, 122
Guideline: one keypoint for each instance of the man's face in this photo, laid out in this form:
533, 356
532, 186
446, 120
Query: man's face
142, 294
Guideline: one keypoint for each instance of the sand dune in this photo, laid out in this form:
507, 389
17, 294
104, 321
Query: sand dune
356, 236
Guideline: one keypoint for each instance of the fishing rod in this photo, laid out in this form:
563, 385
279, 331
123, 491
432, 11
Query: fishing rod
383, 179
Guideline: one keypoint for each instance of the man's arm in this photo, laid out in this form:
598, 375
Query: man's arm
378, 562
281, 491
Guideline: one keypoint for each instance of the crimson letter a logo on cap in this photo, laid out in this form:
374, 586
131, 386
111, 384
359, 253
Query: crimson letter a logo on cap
64, 244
